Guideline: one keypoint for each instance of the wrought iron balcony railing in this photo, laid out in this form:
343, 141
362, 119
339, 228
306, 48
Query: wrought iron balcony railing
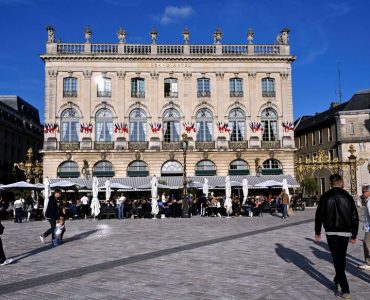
236, 94
204, 93
69, 94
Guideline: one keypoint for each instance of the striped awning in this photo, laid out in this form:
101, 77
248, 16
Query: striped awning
176, 182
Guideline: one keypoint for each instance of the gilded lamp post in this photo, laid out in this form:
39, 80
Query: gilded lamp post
31, 169
185, 203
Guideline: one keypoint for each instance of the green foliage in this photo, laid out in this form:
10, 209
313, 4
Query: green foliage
309, 185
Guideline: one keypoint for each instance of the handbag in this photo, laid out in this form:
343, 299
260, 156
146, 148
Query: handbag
1, 229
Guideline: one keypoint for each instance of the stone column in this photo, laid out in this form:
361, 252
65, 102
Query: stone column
86, 105
51, 105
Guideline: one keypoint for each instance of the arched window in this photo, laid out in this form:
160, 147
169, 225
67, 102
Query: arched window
103, 168
172, 168
69, 125
138, 87
70, 87
205, 168
272, 167
204, 87
104, 87
170, 88
68, 169
104, 125
171, 125
137, 168
237, 125
137, 125
236, 87
269, 122
268, 87
204, 125
238, 167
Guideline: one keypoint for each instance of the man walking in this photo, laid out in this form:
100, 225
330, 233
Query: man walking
52, 214
284, 202
337, 212
366, 197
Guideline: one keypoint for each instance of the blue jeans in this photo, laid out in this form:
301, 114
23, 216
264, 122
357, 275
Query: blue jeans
121, 211
18, 215
285, 210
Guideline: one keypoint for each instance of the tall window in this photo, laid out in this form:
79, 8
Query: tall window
137, 125
204, 87
313, 138
138, 87
70, 123
104, 126
238, 167
320, 136
70, 87
351, 128
104, 87
269, 121
236, 87
268, 87
68, 169
170, 87
271, 167
172, 168
330, 134
205, 168
103, 168
237, 125
138, 168
204, 125
171, 125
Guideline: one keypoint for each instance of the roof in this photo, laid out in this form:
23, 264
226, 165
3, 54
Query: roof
359, 101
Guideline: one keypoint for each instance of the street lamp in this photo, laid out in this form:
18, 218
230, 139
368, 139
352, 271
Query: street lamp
185, 203
31, 169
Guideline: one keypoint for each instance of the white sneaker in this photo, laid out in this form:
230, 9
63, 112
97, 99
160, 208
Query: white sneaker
7, 262
41, 239
364, 267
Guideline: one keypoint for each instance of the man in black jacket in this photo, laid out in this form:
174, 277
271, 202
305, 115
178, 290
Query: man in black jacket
337, 212
52, 214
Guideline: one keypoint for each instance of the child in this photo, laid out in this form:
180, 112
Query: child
60, 228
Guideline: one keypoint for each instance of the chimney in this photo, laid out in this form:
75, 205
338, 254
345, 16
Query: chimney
334, 104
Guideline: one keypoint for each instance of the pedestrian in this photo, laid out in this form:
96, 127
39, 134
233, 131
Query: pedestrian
284, 202
18, 207
366, 197
3, 260
121, 207
85, 206
52, 214
337, 212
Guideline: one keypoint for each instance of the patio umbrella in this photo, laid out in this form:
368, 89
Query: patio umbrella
159, 185
285, 187
228, 203
64, 184
39, 186
205, 187
117, 186
154, 191
108, 190
268, 183
46, 193
95, 205
20, 185
194, 185
245, 190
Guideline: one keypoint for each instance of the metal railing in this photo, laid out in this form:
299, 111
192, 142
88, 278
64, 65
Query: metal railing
270, 144
236, 93
268, 93
106, 94
204, 93
69, 94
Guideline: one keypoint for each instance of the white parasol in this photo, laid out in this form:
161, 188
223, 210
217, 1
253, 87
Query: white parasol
95, 205
46, 194
154, 191
108, 190
205, 187
285, 187
228, 203
245, 190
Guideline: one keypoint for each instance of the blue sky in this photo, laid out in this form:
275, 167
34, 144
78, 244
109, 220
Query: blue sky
323, 33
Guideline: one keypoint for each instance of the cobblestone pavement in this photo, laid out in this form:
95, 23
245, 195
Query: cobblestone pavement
198, 258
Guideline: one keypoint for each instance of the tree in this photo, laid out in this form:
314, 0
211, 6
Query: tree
310, 186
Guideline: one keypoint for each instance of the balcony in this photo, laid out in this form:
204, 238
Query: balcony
268, 93
104, 94
171, 146
69, 145
238, 145
69, 94
171, 94
137, 145
205, 145
270, 144
103, 145
204, 94
236, 94
138, 94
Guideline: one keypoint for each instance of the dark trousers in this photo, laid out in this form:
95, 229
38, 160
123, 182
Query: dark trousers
338, 247
51, 230
18, 215
2, 254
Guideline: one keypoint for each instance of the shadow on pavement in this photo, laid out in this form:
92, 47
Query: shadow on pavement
303, 263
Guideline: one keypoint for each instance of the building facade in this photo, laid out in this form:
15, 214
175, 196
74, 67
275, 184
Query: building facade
334, 132
122, 109
20, 129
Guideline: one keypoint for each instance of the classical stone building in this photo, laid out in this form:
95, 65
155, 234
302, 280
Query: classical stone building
20, 129
121, 109
333, 132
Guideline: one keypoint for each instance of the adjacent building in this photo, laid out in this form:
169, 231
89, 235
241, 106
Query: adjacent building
333, 132
20, 129
120, 109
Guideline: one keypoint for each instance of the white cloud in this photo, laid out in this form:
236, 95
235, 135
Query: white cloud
173, 13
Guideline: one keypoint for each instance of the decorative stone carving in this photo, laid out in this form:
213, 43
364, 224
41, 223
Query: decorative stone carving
284, 75
137, 145
121, 74
238, 155
252, 75
121, 34
51, 34
238, 145
87, 74
283, 37
88, 33
137, 155
153, 34
220, 75
217, 36
70, 73
172, 155
154, 75
68, 156
186, 35
205, 145
187, 75
250, 35
53, 74
69, 145
103, 146
103, 155
205, 155
171, 146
